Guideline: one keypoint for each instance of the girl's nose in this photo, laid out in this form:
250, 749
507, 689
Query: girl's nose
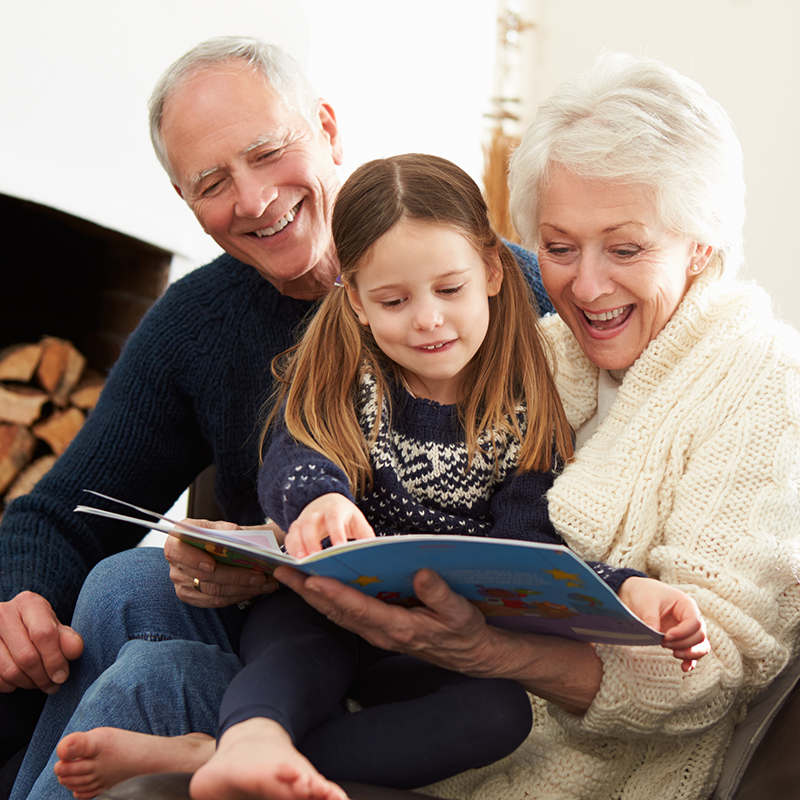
427, 316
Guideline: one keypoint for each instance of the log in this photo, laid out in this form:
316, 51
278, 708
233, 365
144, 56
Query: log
21, 405
18, 362
29, 477
59, 429
87, 392
60, 368
16, 450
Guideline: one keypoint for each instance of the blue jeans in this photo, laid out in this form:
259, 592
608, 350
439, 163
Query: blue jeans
151, 664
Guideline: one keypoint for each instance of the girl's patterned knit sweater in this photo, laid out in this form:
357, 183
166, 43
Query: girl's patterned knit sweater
423, 482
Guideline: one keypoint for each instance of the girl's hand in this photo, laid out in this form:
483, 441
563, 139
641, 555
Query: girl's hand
672, 612
329, 516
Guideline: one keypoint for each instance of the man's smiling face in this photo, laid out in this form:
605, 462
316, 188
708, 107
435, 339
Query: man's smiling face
260, 180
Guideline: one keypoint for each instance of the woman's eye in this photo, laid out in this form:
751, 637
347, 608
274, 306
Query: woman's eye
625, 252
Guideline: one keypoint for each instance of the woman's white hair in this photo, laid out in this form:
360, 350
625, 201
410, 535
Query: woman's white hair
279, 69
634, 120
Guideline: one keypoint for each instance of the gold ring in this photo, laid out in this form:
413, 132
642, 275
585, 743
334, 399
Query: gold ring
196, 583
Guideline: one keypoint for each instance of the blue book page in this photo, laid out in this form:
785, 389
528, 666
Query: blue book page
519, 586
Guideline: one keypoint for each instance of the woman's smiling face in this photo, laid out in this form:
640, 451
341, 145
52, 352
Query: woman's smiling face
614, 273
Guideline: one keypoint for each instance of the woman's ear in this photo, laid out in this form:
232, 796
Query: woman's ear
495, 277
700, 258
355, 304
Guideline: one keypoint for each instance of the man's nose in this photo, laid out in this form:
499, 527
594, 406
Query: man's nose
253, 196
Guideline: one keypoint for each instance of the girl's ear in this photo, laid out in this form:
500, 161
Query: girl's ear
355, 304
495, 277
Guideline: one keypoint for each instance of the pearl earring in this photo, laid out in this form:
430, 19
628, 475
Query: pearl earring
695, 268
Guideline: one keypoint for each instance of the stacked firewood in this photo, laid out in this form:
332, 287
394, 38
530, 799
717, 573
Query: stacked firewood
46, 391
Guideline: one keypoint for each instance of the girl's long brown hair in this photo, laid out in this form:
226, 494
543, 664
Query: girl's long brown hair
318, 380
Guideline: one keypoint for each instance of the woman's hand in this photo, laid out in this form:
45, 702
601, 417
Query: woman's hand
672, 612
450, 632
330, 516
218, 585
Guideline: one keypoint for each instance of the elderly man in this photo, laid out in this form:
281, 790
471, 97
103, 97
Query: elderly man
253, 152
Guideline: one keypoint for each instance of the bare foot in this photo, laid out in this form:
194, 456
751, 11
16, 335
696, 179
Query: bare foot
256, 760
94, 760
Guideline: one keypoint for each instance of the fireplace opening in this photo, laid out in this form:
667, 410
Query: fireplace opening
70, 278
72, 292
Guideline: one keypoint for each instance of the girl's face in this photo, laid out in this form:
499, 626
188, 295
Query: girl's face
424, 291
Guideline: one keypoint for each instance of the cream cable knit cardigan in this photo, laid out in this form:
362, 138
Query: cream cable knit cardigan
692, 478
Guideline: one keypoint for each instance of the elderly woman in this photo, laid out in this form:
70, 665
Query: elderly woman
684, 393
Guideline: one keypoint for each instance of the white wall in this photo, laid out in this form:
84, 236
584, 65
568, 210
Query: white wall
746, 55
75, 78
411, 75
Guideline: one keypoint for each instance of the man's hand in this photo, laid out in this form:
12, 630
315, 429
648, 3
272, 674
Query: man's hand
330, 516
218, 584
448, 630
35, 648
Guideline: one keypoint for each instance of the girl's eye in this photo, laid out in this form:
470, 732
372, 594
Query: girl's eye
392, 303
451, 290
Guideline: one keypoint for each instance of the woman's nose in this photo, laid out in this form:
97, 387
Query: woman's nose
591, 279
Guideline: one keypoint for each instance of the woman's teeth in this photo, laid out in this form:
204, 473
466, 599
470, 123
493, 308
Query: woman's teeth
280, 224
604, 316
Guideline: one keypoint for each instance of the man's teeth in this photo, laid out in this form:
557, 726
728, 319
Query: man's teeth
603, 316
279, 225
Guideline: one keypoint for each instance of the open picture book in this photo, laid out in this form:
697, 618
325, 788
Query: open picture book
517, 585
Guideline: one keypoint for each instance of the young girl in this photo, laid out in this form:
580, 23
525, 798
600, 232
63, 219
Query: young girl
418, 400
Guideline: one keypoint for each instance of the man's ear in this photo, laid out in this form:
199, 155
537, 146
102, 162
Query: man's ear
495, 278
355, 304
330, 128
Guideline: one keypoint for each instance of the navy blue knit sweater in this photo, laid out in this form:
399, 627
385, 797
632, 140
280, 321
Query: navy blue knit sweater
186, 392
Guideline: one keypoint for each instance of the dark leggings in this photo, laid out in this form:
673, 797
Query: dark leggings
418, 724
